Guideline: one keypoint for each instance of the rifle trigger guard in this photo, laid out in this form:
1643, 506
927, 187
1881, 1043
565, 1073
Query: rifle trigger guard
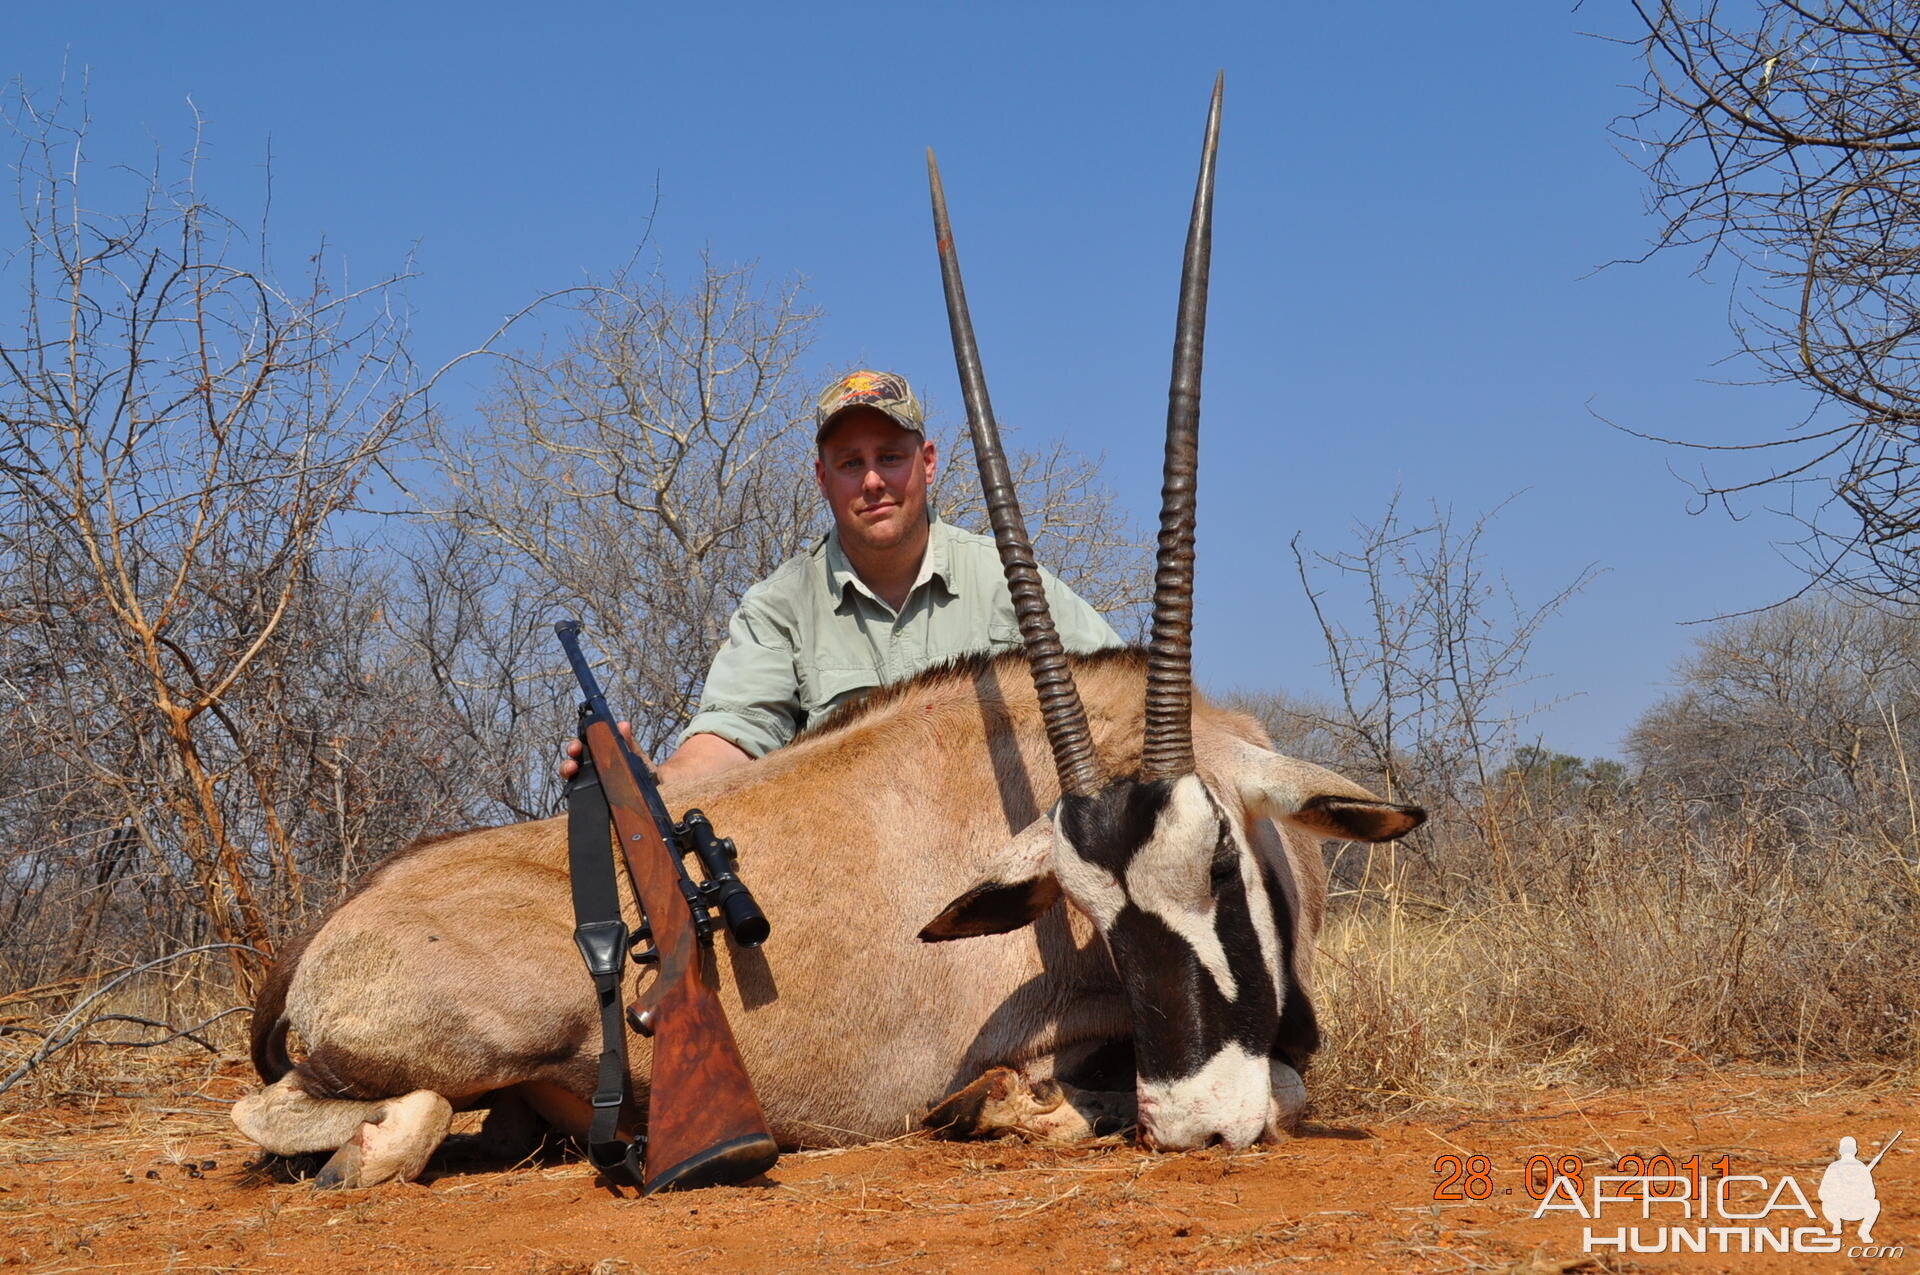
604, 945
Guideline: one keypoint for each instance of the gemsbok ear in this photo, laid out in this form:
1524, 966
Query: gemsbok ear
1351, 819
1017, 889
1319, 801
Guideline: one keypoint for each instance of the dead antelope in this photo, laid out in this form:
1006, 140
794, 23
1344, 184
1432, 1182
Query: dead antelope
1136, 873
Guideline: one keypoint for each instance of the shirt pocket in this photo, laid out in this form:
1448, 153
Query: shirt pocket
824, 689
1003, 635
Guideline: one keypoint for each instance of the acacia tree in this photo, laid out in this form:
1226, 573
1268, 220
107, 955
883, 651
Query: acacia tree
1805, 708
1428, 650
1784, 136
179, 436
639, 479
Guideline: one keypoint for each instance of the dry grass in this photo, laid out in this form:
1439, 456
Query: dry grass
1615, 946
1504, 993
104, 1038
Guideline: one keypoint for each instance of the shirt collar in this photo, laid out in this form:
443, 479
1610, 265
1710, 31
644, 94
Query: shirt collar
934, 565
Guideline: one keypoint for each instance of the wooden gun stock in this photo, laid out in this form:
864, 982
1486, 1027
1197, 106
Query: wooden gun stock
704, 1123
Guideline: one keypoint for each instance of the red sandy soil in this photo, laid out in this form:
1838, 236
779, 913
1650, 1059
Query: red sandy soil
164, 1184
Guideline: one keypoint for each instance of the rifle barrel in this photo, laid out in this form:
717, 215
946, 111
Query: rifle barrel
568, 631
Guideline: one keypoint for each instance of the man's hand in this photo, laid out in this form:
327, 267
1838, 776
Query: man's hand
570, 764
702, 754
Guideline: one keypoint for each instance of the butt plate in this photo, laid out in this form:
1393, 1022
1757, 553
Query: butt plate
729, 1162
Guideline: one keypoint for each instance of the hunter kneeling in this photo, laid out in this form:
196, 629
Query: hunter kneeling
890, 592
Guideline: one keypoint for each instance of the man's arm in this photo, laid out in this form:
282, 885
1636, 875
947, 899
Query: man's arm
701, 755
750, 701
749, 706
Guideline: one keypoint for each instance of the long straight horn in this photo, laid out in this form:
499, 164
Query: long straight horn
1060, 707
1168, 748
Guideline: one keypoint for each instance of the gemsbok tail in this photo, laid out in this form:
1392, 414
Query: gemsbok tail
269, 1035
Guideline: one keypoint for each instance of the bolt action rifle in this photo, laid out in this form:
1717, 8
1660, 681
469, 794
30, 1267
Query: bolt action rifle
704, 1124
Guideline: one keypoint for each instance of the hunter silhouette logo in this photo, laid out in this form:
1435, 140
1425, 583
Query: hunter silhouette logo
1846, 1189
1729, 1212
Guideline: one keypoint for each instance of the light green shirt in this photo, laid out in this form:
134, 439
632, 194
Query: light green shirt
812, 635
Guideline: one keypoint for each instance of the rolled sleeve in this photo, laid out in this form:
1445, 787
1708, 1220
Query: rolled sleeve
753, 732
752, 695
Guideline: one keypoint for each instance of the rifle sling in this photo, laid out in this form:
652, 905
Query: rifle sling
602, 939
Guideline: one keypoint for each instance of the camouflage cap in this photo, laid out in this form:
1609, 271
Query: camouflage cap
882, 391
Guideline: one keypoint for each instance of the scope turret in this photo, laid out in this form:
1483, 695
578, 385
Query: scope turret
722, 888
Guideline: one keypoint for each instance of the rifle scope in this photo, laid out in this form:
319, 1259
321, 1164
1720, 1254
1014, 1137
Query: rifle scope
723, 890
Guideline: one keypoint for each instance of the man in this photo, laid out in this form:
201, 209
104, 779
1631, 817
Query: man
889, 592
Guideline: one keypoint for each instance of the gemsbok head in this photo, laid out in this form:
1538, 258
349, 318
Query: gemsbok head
1163, 861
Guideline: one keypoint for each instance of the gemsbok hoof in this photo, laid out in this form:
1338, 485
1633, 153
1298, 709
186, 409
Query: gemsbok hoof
393, 1146
1002, 1101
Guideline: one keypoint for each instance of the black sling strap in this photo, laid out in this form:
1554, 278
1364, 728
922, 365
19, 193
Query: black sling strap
602, 938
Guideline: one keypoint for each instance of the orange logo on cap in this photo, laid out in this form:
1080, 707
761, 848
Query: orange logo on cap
861, 383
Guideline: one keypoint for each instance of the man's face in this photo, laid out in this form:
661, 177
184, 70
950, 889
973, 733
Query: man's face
875, 477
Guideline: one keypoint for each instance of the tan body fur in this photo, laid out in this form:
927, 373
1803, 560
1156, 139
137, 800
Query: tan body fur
453, 968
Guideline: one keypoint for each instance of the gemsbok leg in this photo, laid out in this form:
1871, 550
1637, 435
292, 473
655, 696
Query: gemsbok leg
372, 1141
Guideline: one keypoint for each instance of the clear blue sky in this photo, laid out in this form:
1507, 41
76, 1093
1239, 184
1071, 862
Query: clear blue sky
1410, 210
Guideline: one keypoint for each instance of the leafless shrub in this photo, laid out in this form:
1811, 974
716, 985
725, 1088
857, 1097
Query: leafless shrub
1749, 893
1783, 137
1796, 710
1427, 674
1079, 531
1428, 649
640, 478
179, 437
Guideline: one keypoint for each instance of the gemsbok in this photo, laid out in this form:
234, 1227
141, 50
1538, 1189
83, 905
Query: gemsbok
1136, 874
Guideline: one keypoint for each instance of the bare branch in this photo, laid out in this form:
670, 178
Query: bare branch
1786, 137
